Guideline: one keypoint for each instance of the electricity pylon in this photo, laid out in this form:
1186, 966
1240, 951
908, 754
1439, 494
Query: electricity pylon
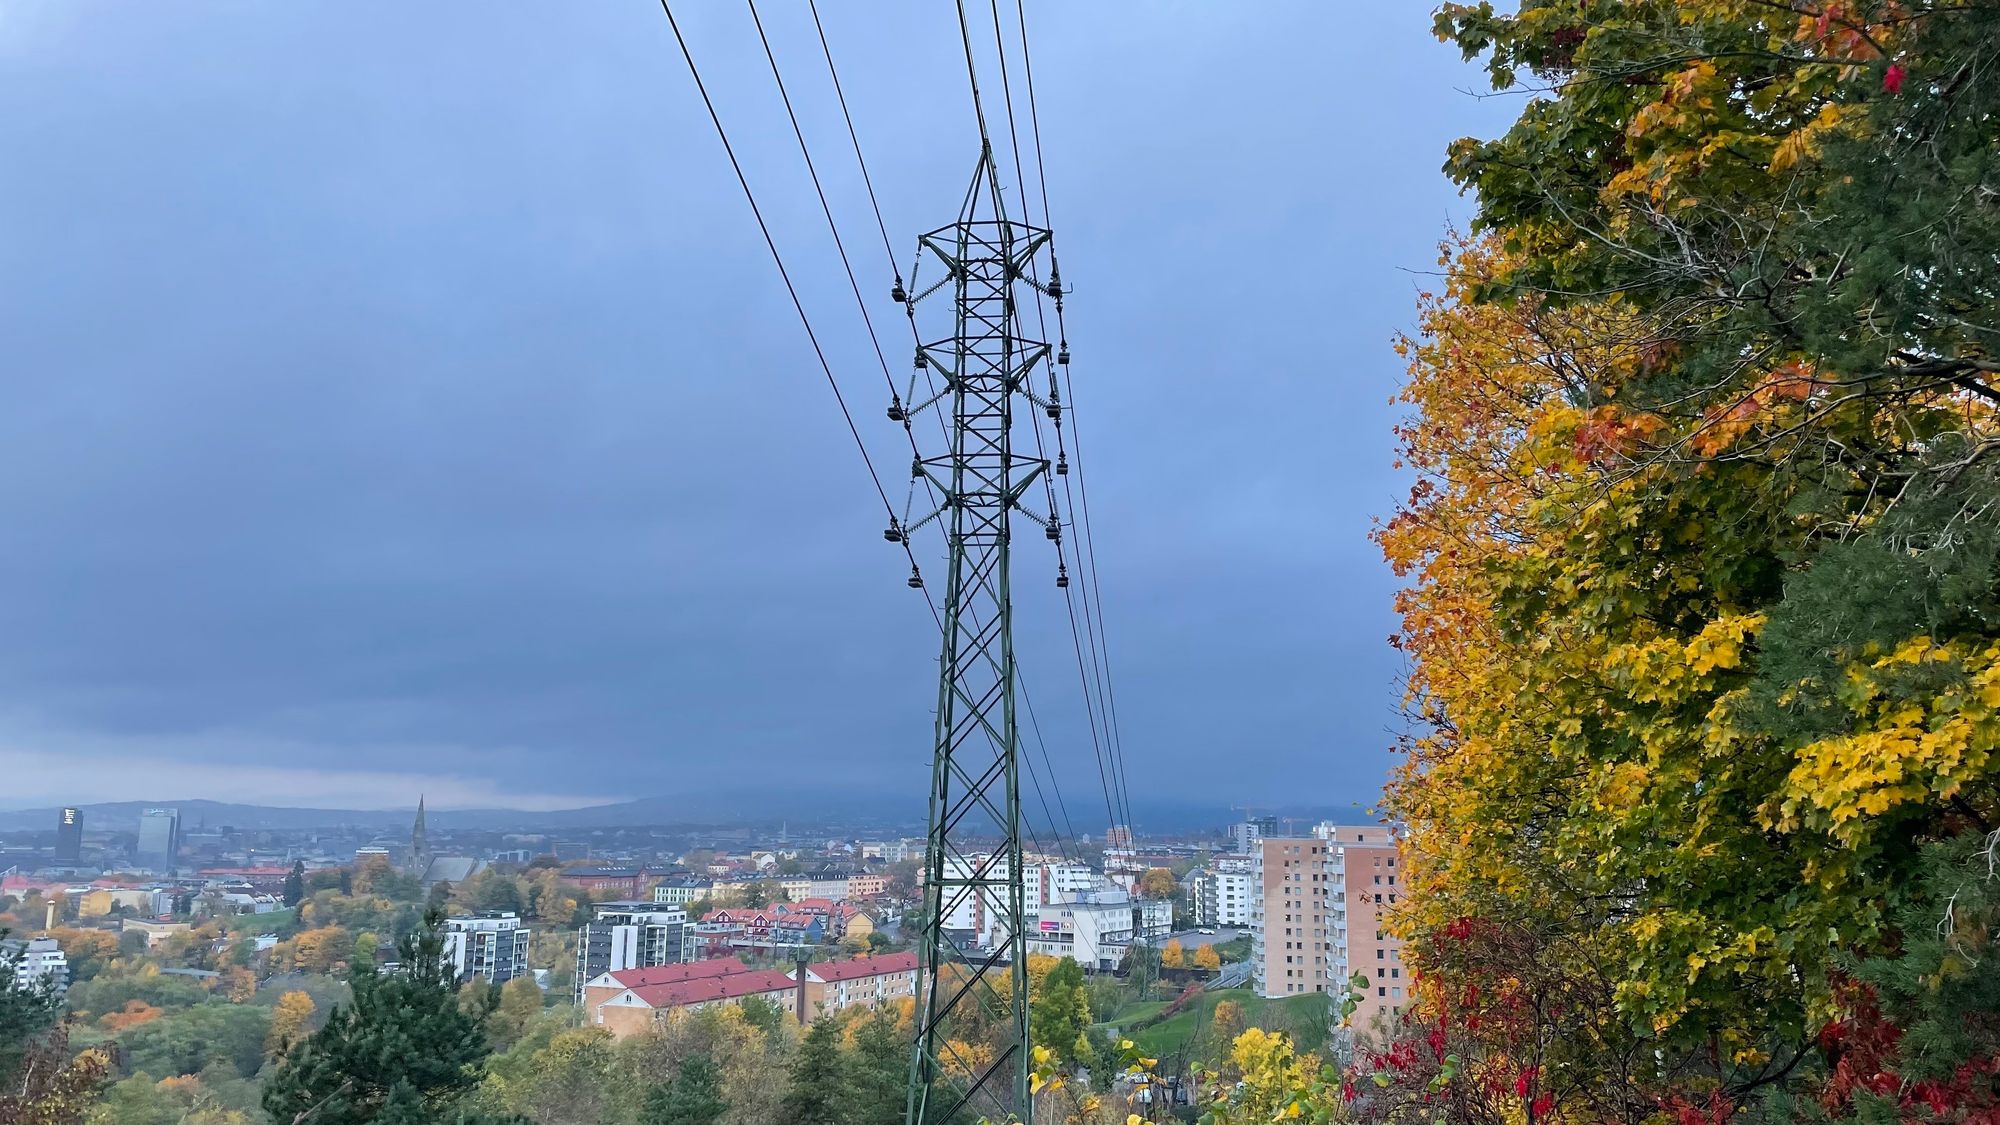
969, 1000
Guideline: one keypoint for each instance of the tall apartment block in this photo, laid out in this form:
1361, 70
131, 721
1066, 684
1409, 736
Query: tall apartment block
631, 935
1361, 863
1292, 925
1318, 917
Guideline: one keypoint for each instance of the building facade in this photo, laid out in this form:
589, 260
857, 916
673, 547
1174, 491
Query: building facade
69, 836
491, 946
1221, 894
682, 890
159, 838
630, 935
1293, 927
1320, 919
34, 964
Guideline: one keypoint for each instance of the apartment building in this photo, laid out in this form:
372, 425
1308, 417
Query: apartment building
1366, 884
34, 963
1221, 894
630, 935
492, 946
1292, 922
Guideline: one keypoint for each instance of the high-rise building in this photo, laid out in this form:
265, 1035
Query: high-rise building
159, 838
1364, 876
630, 935
69, 836
1320, 918
1246, 834
1292, 928
491, 946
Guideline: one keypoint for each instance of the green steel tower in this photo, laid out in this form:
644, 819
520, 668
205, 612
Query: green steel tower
973, 987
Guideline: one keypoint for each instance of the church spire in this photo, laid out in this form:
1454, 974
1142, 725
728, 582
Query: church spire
420, 844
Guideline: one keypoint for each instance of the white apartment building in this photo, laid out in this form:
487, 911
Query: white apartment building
492, 946
1223, 894
35, 963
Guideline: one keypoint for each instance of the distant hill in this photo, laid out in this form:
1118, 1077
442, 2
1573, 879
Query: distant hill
704, 809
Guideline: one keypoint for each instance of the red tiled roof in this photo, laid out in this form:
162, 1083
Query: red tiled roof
672, 974
855, 968
732, 987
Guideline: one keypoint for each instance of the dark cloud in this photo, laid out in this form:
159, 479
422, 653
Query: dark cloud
385, 377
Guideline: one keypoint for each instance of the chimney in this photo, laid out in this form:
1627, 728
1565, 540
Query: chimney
51, 923
802, 956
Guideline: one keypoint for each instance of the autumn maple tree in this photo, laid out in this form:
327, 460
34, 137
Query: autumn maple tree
1703, 610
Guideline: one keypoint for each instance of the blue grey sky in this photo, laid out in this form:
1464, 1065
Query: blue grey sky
399, 396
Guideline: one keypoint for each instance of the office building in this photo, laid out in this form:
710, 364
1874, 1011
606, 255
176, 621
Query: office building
492, 946
69, 836
630, 935
159, 839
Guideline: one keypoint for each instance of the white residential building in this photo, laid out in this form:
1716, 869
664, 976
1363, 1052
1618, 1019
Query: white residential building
492, 947
35, 963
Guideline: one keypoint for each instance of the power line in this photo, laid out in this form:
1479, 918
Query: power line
784, 274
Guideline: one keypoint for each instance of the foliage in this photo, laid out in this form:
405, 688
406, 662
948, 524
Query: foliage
1205, 957
1274, 1083
1059, 1013
694, 1097
46, 1086
1157, 882
520, 1002
25, 1014
187, 1040
1704, 617
402, 1042
813, 1094
295, 883
291, 1021
1173, 956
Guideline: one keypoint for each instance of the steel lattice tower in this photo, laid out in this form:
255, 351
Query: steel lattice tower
974, 857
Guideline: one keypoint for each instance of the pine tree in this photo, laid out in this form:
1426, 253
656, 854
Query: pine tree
694, 1097
402, 1047
814, 1096
878, 1074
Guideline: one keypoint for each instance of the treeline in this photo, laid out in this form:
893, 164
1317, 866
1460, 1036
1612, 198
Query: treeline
1704, 553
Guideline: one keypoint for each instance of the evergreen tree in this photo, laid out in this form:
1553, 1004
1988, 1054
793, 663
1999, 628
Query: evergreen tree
814, 1095
403, 1050
878, 1074
694, 1097
295, 883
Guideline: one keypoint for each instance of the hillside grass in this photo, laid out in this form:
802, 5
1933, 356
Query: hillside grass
1305, 1018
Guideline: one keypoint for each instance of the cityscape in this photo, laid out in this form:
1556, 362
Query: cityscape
775, 562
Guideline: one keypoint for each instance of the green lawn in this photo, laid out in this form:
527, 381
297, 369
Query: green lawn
1304, 1016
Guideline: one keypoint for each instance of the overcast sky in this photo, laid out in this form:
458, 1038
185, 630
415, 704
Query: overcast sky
399, 396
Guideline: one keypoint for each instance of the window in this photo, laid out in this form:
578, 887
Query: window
1378, 900
1378, 955
1392, 899
1395, 974
1398, 993
1378, 880
1381, 992
1381, 974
